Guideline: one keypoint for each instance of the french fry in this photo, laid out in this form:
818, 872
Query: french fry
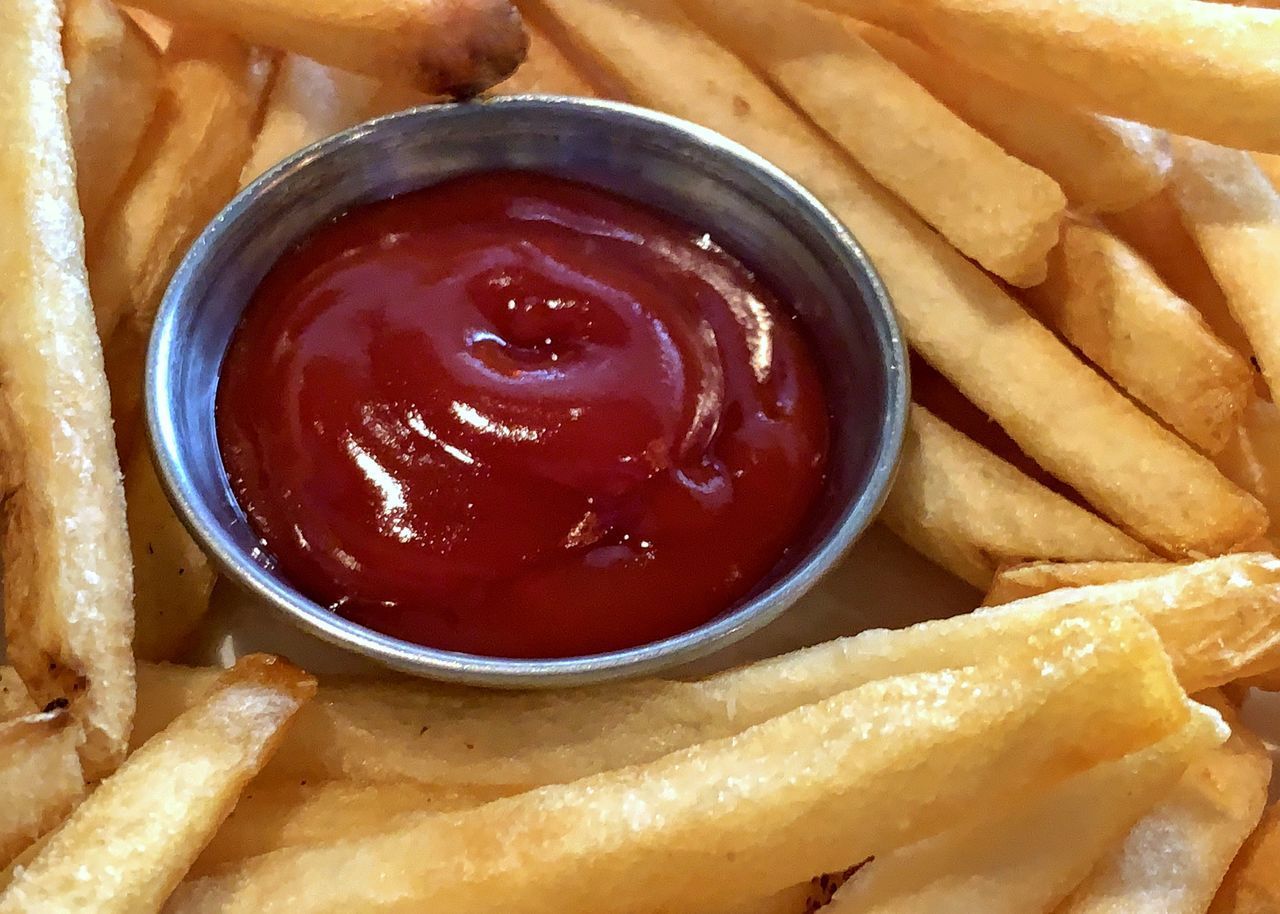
1029, 858
545, 71
1270, 165
1233, 212
115, 81
173, 579
971, 512
995, 208
1063, 414
66, 582
308, 102
1021, 581
1110, 304
1101, 163
452, 47
15, 701
1174, 859
271, 816
40, 778
1252, 884
1252, 456
812, 791
1194, 68
127, 846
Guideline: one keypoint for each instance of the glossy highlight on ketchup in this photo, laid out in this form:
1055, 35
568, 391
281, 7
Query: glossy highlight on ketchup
516, 416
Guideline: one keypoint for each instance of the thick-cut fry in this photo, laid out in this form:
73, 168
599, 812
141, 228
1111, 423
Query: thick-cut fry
1103, 164
454, 47
173, 579
1191, 67
814, 789
1031, 857
1233, 212
546, 70
1252, 457
1110, 304
996, 209
40, 779
115, 80
1174, 858
66, 556
1064, 415
971, 512
1021, 581
130, 843
1252, 885
308, 102
270, 816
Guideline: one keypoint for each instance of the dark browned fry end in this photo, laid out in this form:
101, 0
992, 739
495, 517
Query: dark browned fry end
476, 45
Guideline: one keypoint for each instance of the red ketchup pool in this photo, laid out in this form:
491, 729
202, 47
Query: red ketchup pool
515, 416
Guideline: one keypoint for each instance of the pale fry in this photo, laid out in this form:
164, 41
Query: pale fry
172, 577
455, 47
1252, 884
1063, 414
115, 81
1233, 212
971, 512
1031, 857
66, 582
1174, 858
1190, 67
127, 846
40, 779
1031, 580
994, 208
1110, 304
546, 70
812, 791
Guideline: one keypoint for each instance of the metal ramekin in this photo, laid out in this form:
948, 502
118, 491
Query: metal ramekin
748, 206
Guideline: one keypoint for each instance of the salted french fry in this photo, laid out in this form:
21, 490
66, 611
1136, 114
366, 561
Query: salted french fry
173, 579
271, 816
971, 512
1063, 414
1101, 163
454, 47
308, 102
66, 582
1252, 884
1194, 68
1252, 456
40, 778
545, 71
1018, 582
811, 791
994, 208
1111, 305
127, 846
1233, 212
1029, 858
1174, 859
115, 81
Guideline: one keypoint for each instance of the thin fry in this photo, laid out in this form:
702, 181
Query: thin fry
127, 846
1021, 581
67, 582
40, 778
1252, 884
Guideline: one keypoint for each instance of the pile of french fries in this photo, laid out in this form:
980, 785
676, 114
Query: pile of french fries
1073, 204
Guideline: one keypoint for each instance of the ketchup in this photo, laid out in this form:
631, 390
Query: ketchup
513, 415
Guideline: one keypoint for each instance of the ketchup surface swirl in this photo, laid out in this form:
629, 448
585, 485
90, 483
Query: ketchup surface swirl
513, 415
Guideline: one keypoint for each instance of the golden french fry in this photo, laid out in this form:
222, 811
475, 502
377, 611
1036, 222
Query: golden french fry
1233, 212
1252, 884
810, 790
1174, 858
995, 208
308, 102
1101, 163
66, 580
115, 81
1021, 581
1011, 861
1201, 69
127, 846
1110, 304
40, 778
1065, 416
1252, 457
545, 71
969, 511
455, 47
173, 579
